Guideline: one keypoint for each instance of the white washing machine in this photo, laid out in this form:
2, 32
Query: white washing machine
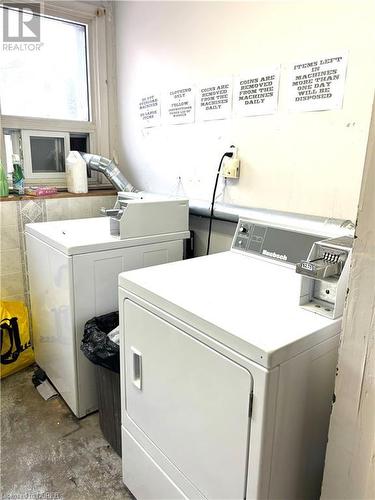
227, 373
73, 271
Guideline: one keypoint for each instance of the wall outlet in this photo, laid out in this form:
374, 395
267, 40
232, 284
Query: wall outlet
231, 168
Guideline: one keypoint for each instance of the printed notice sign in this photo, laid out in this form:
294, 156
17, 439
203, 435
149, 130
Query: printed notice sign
214, 99
317, 84
149, 110
256, 92
178, 105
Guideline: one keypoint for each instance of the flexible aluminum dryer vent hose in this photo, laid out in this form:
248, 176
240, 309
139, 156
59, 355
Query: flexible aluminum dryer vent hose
305, 223
110, 170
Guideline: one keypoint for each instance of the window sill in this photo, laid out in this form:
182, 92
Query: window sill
61, 194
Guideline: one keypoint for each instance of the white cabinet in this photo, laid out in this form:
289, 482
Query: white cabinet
196, 414
226, 382
68, 290
52, 301
187, 428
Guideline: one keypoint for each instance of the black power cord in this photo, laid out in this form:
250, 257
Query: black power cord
228, 154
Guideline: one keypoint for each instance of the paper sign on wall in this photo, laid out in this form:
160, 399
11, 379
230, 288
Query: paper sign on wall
178, 105
256, 92
149, 110
317, 84
214, 99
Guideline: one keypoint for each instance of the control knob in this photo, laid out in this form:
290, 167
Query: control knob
243, 230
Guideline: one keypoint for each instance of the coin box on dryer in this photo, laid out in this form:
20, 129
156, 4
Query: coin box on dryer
325, 275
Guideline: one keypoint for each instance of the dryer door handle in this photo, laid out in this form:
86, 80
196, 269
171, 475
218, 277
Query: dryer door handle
137, 368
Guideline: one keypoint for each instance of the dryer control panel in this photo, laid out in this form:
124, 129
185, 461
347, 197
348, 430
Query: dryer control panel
322, 262
271, 242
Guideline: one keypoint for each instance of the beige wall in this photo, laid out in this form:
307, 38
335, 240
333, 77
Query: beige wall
11, 276
302, 162
350, 464
15, 214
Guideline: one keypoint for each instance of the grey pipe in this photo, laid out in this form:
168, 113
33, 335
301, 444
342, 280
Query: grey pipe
309, 224
110, 170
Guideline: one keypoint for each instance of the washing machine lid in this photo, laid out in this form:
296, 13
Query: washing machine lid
80, 236
248, 303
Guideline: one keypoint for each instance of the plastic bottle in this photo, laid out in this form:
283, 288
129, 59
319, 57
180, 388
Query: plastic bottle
18, 177
76, 173
4, 186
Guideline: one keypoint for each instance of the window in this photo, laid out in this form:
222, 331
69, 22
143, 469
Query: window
56, 75
44, 154
10, 148
79, 142
57, 98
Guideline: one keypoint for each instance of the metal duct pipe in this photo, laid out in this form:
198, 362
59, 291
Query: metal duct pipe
309, 224
110, 170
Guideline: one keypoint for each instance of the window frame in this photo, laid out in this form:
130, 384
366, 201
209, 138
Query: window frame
30, 175
100, 59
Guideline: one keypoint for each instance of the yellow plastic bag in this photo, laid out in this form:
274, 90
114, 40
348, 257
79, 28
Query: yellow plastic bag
15, 345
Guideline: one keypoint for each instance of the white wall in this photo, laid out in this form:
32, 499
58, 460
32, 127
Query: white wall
302, 162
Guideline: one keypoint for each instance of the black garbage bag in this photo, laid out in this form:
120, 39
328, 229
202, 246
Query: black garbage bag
97, 347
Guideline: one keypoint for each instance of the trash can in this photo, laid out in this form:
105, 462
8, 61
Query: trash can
105, 354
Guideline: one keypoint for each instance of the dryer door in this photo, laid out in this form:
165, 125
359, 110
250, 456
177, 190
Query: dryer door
191, 402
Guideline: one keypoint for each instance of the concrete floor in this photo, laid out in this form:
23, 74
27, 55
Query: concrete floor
46, 452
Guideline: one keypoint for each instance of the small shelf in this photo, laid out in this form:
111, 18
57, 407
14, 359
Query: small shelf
60, 194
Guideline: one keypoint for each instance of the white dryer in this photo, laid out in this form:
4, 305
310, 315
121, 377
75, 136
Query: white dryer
73, 271
227, 382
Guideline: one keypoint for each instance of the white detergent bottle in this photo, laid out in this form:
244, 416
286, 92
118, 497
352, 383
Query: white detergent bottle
76, 173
